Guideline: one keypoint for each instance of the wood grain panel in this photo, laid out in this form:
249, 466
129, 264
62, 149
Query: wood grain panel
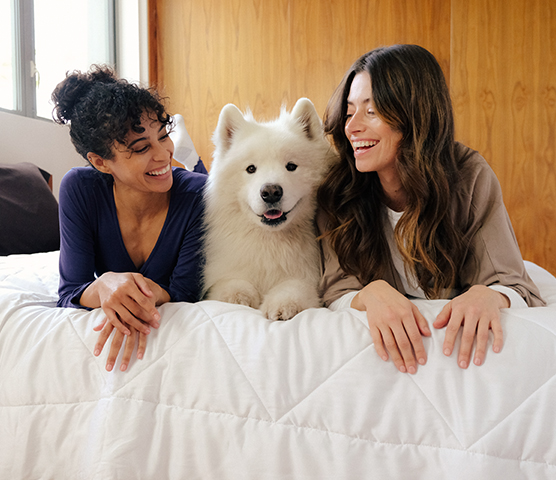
504, 91
153, 26
328, 36
214, 52
262, 55
499, 57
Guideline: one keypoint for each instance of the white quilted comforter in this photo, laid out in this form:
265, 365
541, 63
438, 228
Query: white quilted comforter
223, 393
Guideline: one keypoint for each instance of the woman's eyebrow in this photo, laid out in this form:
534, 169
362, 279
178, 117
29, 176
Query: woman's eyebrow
135, 141
366, 101
144, 138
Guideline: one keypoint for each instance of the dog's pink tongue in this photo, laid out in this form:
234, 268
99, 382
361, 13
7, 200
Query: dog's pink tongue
273, 214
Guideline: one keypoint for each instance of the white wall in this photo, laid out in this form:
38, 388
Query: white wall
47, 144
41, 142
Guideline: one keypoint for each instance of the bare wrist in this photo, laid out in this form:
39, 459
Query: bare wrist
358, 301
162, 296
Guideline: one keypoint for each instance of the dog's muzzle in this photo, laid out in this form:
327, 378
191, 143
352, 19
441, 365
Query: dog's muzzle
271, 194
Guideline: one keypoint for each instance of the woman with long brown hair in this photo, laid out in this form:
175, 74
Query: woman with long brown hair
408, 212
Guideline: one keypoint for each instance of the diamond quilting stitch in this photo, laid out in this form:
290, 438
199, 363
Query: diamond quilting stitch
286, 361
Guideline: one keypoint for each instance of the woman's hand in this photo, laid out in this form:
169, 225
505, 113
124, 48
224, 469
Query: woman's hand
396, 325
129, 301
478, 310
117, 341
126, 298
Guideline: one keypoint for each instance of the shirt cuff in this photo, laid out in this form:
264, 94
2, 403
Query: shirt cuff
516, 300
343, 302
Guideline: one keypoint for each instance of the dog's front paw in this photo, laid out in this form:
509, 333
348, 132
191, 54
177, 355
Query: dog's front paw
276, 310
241, 298
235, 291
289, 298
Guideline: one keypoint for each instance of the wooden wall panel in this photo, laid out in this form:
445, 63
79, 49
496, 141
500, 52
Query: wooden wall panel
498, 55
503, 85
328, 36
261, 54
214, 52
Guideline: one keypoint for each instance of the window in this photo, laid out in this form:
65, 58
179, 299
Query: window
46, 39
7, 91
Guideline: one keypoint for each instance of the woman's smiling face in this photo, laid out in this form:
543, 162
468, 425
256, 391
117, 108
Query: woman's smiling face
144, 162
374, 142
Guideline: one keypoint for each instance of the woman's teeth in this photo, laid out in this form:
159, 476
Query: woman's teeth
161, 171
364, 143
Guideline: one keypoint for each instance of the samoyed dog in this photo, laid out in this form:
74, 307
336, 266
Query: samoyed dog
260, 243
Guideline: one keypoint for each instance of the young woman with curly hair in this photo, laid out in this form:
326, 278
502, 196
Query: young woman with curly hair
408, 212
130, 226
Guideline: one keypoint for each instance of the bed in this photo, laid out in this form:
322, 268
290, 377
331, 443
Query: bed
223, 393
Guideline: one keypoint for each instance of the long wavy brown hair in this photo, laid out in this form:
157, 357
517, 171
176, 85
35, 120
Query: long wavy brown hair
410, 94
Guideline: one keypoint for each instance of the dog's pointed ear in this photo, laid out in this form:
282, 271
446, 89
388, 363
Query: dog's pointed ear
230, 120
304, 113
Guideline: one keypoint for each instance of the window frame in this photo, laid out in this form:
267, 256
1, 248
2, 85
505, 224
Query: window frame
25, 72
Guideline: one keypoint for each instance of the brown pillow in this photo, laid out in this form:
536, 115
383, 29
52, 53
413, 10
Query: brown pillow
28, 211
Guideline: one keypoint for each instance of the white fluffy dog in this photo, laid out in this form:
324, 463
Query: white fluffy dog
260, 243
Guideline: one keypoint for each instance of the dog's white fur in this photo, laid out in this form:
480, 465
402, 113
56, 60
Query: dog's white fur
267, 263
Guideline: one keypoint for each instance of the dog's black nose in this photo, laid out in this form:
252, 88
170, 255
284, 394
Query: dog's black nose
271, 193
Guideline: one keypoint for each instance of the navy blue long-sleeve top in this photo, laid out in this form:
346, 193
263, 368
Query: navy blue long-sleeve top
91, 242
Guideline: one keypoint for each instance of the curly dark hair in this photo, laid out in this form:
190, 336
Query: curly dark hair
410, 94
101, 109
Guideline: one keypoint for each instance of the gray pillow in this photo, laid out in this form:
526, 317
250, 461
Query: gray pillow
28, 210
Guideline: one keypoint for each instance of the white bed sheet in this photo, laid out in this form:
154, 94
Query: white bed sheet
223, 393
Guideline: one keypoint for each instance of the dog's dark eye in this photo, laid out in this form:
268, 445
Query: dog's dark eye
291, 167
251, 169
